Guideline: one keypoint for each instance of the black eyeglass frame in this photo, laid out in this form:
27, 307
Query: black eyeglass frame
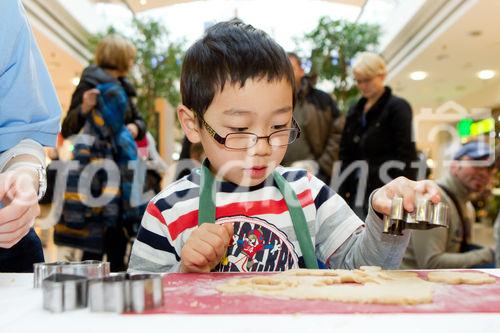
222, 140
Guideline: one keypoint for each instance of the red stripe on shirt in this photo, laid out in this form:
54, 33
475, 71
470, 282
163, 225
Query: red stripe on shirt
154, 211
252, 208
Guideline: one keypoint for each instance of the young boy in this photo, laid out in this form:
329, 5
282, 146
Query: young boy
237, 89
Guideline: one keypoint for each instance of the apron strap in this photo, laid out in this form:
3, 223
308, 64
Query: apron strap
298, 220
206, 210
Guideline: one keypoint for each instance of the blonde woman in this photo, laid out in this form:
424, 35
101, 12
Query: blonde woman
114, 57
378, 129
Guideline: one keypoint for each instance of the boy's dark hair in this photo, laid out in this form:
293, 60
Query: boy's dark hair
230, 52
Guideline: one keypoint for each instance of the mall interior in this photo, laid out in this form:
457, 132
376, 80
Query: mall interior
434, 69
442, 57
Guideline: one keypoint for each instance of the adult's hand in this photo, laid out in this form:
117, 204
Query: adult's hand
19, 197
133, 129
89, 100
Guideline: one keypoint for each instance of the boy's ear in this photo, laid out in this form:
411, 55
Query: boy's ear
189, 123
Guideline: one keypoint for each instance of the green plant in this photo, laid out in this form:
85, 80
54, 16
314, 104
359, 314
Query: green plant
158, 66
334, 44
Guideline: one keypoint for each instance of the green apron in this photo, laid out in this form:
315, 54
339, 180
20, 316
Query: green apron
206, 212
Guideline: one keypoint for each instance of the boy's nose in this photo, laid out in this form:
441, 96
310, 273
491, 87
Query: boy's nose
262, 147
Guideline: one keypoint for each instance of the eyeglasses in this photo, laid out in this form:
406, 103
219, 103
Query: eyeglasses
246, 140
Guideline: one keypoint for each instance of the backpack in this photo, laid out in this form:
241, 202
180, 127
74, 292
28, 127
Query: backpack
104, 142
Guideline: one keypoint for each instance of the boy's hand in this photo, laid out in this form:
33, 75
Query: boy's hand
205, 247
409, 190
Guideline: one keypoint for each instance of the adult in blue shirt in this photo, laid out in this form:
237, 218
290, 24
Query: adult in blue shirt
29, 118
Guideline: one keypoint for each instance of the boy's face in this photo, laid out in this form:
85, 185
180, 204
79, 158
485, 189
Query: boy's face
260, 107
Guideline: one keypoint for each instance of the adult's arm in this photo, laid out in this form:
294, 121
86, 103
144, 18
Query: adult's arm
75, 118
429, 248
136, 118
29, 108
29, 118
332, 148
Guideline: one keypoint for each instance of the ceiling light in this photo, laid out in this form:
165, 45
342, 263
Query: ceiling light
486, 74
75, 80
143, 2
418, 75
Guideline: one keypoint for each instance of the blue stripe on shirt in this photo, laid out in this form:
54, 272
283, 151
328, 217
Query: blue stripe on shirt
168, 202
324, 194
156, 241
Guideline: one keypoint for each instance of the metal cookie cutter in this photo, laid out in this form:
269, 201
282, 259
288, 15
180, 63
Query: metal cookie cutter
124, 292
90, 269
425, 216
63, 292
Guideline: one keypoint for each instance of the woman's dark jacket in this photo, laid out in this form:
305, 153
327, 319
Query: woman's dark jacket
382, 134
91, 77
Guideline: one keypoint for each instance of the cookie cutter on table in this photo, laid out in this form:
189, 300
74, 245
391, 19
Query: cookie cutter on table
89, 269
125, 292
64, 292
425, 216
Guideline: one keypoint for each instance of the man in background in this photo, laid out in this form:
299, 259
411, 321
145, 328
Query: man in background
320, 121
469, 173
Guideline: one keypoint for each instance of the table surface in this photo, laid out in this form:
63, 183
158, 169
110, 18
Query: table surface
21, 311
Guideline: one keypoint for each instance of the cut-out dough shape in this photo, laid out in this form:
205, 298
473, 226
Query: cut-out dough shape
365, 285
451, 277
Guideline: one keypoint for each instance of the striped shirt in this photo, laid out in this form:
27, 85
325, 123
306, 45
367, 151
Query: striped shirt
264, 238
